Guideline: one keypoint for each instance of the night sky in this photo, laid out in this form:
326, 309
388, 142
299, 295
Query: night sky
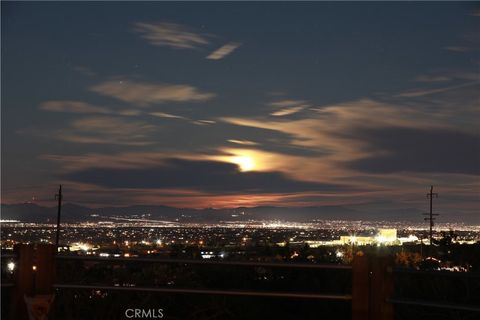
242, 104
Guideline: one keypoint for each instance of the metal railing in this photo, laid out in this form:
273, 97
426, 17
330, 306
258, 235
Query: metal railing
373, 292
251, 293
210, 262
431, 274
433, 304
272, 294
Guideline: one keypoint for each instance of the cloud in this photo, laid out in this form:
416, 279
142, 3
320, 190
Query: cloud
70, 163
73, 107
129, 112
138, 160
457, 49
170, 34
287, 111
287, 103
144, 94
205, 176
341, 140
319, 130
84, 71
446, 75
108, 130
243, 142
334, 134
223, 51
166, 115
289, 106
202, 122
397, 149
424, 92
431, 78
83, 107
180, 37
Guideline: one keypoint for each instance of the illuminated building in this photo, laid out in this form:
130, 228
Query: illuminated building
386, 237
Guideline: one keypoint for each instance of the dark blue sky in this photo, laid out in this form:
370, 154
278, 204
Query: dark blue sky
337, 102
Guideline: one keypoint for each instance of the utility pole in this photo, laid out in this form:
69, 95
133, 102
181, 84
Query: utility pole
430, 218
59, 197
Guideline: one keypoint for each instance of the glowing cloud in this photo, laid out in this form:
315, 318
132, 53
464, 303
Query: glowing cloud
144, 94
243, 142
287, 111
170, 34
245, 163
72, 107
223, 51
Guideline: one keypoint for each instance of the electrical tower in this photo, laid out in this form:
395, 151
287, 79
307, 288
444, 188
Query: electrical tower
430, 215
59, 197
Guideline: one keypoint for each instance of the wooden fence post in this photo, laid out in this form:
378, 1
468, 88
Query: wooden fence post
24, 280
381, 288
360, 287
45, 273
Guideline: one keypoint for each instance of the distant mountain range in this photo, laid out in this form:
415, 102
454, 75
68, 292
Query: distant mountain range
378, 211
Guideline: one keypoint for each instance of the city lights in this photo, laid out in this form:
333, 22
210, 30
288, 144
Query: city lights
84, 247
240, 161
11, 266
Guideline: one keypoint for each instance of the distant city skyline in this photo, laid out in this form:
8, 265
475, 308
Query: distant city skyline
201, 105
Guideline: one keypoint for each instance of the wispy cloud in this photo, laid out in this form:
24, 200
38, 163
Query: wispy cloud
144, 93
286, 103
223, 51
84, 70
289, 106
457, 49
80, 107
243, 142
166, 115
129, 112
73, 107
369, 133
170, 34
424, 92
432, 78
330, 132
202, 122
287, 111
181, 37
447, 75
69, 163
108, 130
